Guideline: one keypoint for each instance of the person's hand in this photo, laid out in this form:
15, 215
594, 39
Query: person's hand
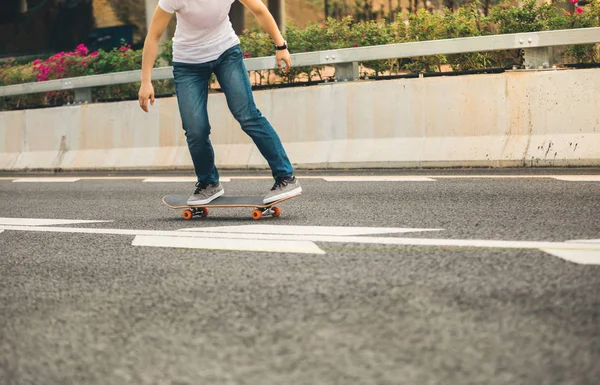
284, 55
146, 92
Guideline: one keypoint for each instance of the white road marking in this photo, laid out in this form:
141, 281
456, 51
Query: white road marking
306, 230
42, 222
379, 178
305, 247
160, 179
586, 241
113, 177
506, 176
582, 257
333, 178
46, 180
550, 247
579, 178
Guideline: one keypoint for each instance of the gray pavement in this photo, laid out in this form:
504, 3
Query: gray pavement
91, 308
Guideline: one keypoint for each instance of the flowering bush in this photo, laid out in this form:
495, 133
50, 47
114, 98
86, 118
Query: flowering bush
65, 64
79, 62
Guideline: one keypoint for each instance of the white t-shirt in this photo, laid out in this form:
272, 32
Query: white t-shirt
203, 30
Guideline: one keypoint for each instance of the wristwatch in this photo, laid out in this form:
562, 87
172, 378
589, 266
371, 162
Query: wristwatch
281, 47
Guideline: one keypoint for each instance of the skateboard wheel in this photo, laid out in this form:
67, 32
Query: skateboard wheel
204, 212
276, 211
187, 214
256, 214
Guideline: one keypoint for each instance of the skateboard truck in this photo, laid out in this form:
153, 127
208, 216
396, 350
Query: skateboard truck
271, 211
194, 212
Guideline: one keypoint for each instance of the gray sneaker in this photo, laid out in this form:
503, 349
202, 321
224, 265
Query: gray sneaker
284, 187
205, 193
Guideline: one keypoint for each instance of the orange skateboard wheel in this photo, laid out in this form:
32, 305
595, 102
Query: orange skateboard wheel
256, 214
276, 211
187, 214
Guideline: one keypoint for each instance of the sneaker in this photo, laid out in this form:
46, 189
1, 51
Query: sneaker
284, 187
205, 193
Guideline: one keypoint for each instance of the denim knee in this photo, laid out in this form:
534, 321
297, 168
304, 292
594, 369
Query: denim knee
198, 133
247, 115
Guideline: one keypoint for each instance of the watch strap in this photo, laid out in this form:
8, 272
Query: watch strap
281, 47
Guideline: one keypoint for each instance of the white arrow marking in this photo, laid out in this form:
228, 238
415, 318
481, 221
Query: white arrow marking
306, 230
579, 178
382, 178
177, 180
586, 241
550, 247
45, 180
42, 222
305, 247
582, 257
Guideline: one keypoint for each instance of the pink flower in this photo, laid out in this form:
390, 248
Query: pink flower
574, 1
246, 55
579, 10
36, 62
356, 45
81, 50
94, 54
43, 73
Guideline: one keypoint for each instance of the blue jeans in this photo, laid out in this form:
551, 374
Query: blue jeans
191, 85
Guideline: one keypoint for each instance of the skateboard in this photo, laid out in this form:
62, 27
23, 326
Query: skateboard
179, 201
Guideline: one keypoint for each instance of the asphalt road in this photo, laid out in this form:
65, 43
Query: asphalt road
112, 303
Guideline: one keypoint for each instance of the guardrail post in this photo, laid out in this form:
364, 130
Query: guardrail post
539, 57
346, 72
83, 95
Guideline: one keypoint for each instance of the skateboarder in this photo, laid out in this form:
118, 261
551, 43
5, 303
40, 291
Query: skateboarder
205, 43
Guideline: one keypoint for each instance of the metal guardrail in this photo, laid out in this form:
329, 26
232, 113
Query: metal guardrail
537, 46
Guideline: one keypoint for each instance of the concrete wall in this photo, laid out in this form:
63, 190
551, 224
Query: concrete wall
546, 118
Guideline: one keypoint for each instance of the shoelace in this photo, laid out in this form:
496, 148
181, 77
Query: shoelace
279, 182
200, 186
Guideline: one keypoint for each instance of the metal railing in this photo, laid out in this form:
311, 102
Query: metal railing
537, 47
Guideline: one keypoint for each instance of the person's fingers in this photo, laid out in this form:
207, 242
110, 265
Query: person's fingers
143, 104
288, 63
152, 98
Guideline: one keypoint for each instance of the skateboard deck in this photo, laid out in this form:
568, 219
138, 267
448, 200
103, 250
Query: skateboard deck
179, 201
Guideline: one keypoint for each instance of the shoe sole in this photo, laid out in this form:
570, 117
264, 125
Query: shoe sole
207, 200
295, 191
